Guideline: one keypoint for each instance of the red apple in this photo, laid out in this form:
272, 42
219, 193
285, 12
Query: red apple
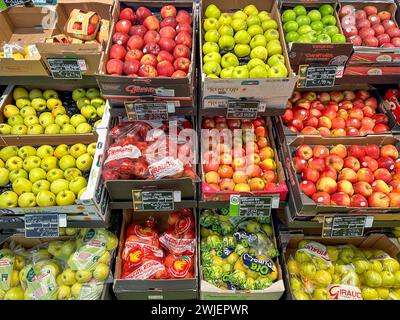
378, 199
310, 174
287, 116
360, 15
366, 32
184, 17
117, 52
340, 199
396, 41
165, 69
137, 30
304, 151
320, 151
299, 164
346, 10
317, 164
390, 151
374, 19
308, 188
366, 175
326, 184
152, 48
181, 51
384, 15
369, 10
369, 162
147, 71
355, 40
168, 11
131, 67
329, 172
135, 42
348, 174
334, 162
168, 21
393, 32
371, 41
382, 174
184, 27
321, 198
383, 38
364, 23
167, 32
149, 59
350, 31
185, 38
134, 54
179, 74
114, 67
381, 128
379, 29
356, 151
352, 163
372, 150
358, 201
165, 56
388, 24
123, 26
127, 14
151, 36
363, 188
182, 64
120, 38
142, 13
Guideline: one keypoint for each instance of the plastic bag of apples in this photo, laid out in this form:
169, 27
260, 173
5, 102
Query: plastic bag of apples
82, 25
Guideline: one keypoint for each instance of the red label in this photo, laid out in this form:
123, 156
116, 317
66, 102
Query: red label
180, 267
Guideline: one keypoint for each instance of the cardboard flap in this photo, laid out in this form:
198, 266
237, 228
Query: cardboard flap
69, 48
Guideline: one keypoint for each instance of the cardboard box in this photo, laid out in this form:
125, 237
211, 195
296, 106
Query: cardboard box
374, 72
373, 241
123, 88
317, 53
88, 54
52, 139
273, 91
304, 205
23, 25
281, 188
169, 289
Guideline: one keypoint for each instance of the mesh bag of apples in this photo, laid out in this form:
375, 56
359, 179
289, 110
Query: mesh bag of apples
150, 150
149, 255
342, 272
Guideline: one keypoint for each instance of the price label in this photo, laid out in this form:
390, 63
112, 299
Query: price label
155, 200
44, 2
313, 77
41, 225
65, 68
345, 226
249, 206
142, 111
5, 4
242, 110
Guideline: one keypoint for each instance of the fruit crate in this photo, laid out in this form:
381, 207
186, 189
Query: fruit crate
316, 53
303, 207
373, 241
65, 95
283, 131
119, 89
272, 92
156, 289
280, 190
210, 292
364, 56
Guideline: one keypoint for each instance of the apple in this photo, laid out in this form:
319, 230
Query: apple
340, 199
378, 199
21, 185
8, 199
348, 175
114, 67
40, 185
358, 200
326, 184
77, 184
321, 198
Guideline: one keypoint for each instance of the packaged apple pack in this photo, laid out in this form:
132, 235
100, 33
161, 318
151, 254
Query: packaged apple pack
69, 268
151, 150
342, 272
171, 255
82, 25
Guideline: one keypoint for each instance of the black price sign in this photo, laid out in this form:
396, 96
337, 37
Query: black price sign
153, 200
313, 77
250, 206
345, 226
65, 68
242, 110
142, 111
5, 4
41, 225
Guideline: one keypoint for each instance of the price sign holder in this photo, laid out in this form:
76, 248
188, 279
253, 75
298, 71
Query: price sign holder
250, 206
43, 225
5, 4
65, 68
156, 200
316, 76
149, 110
345, 226
242, 109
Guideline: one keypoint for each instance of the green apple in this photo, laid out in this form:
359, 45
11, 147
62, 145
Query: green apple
304, 38
240, 72
105, 258
8, 199
44, 151
212, 68
207, 48
82, 102
76, 290
212, 56
14, 174
269, 24
49, 163
304, 29
329, 20
78, 93
227, 72
289, 26
89, 112
62, 119
338, 38
253, 20
111, 242
241, 50
35, 129
225, 30
67, 129
258, 72
83, 128
37, 174
101, 272
59, 185
61, 150
15, 293
264, 15
250, 10
40, 185
239, 15
100, 110
8, 152
93, 93
225, 19
45, 198
79, 196
238, 24
26, 151
83, 276
212, 11
45, 119
331, 30
210, 24
275, 59
59, 111
72, 173
288, 15
259, 52
10, 110
27, 111
54, 174
274, 47
258, 41
314, 15
303, 21
77, 184
325, 10
5, 129
68, 277
323, 38
91, 148
242, 37
52, 129
211, 36
229, 60
21, 103
39, 104
321, 294
53, 103
255, 62
84, 162
15, 120
66, 162
4, 177
277, 71
31, 120
77, 150
300, 10
27, 199
317, 26
31, 162
14, 163
21, 185
19, 93
47, 94
226, 42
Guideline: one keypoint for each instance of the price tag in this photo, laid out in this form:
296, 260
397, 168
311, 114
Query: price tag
65, 68
5, 4
249, 206
8, 51
142, 111
41, 225
345, 226
242, 110
313, 77
155, 200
